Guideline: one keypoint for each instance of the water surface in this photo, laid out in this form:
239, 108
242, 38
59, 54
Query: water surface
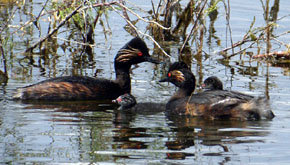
94, 132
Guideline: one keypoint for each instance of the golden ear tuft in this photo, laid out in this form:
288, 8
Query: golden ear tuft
178, 75
128, 54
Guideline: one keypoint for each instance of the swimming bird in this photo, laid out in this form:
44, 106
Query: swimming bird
211, 104
88, 88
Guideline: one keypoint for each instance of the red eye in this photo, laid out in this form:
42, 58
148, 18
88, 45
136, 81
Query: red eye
139, 53
169, 74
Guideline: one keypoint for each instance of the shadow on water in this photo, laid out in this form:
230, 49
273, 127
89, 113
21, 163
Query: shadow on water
219, 133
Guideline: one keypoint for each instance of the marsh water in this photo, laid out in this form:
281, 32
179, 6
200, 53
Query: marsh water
96, 132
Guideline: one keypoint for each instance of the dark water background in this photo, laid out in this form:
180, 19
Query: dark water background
92, 132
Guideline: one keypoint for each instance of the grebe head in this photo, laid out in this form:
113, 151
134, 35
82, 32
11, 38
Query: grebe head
134, 52
125, 101
180, 75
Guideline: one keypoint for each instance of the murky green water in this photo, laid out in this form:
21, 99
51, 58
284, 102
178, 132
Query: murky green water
92, 132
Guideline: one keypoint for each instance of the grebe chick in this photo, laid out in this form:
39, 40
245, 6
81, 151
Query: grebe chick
127, 102
212, 83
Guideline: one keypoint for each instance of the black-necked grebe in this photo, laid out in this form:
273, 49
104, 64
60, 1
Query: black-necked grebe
212, 104
88, 88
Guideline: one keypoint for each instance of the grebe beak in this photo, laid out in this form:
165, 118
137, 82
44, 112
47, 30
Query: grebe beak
152, 60
166, 79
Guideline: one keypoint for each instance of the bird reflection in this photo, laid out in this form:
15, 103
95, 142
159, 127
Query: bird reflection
220, 133
73, 106
125, 136
127, 133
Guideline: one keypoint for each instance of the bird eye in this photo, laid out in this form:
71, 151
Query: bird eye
139, 53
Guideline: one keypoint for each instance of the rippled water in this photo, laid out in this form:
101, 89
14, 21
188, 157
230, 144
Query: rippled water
94, 132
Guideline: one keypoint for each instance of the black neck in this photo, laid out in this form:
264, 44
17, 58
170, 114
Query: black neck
187, 91
123, 77
184, 90
181, 93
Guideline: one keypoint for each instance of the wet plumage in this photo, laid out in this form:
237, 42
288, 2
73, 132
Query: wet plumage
128, 102
212, 83
212, 104
125, 101
88, 88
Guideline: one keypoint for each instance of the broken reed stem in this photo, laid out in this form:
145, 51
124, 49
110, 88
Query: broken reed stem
37, 18
64, 21
230, 56
135, 28
239, 43
272, 55
131, 11
3, 27
125, 14
228, 24
6, 23
54, 30
193, 28
268, 29
263, 31
75, 42
3, 57
80, 8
